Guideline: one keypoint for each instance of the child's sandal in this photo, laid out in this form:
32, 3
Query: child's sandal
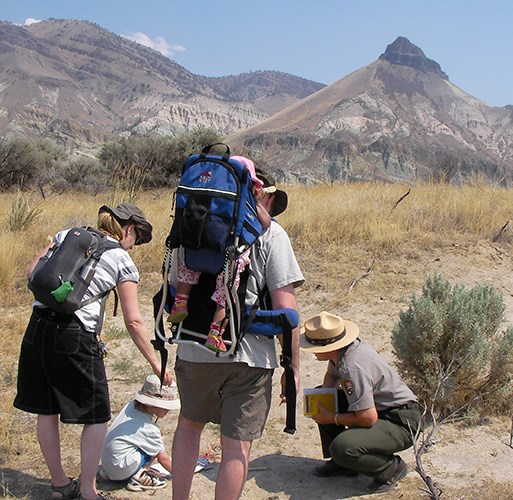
215, 342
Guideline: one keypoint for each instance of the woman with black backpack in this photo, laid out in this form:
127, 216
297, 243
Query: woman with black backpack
61, 373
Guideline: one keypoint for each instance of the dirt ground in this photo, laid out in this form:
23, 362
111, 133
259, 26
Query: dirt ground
466, 462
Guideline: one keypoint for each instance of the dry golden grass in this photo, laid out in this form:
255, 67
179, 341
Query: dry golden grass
334, 224
340, 234
366, 215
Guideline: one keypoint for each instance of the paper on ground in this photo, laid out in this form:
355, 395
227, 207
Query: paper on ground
163, 473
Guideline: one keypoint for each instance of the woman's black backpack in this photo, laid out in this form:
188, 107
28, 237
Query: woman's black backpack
62, 276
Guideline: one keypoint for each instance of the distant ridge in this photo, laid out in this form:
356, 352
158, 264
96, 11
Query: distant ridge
398, 118
79, 84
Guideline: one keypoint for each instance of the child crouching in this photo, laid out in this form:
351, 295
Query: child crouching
134, 440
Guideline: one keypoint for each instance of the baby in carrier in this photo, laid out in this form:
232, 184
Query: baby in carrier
187, 278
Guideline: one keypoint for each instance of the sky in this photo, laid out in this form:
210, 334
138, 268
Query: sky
320, 40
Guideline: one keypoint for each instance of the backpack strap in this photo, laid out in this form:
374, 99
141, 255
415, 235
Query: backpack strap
286, 322
158, 342
104, 245
101, 316
249, 315
160, 300
290, 381
206, 150
269, 322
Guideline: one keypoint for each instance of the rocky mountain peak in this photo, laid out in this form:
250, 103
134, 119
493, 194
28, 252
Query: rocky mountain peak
403, 52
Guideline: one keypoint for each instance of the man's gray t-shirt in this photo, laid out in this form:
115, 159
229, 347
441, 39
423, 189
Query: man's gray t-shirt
274, 264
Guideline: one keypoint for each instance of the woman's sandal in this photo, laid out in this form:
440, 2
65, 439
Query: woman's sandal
68, 491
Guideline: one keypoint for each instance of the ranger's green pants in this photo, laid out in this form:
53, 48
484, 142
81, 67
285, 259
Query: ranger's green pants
370, 451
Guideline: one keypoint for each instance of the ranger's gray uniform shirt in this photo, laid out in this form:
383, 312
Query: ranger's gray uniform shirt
368, 380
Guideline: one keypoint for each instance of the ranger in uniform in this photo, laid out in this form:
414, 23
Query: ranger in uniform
378, 414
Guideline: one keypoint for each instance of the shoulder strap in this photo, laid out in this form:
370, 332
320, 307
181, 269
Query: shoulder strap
104, 245
104, 242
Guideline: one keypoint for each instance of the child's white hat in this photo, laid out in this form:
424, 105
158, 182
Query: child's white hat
153, 395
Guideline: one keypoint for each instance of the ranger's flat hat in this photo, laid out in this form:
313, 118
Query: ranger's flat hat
326, 332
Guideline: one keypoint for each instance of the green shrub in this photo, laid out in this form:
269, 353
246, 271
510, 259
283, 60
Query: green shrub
138, 162
22, 160
449, 338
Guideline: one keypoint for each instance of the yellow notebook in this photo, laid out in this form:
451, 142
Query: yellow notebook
327, 396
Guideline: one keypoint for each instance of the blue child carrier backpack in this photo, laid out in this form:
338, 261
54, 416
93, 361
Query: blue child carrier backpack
215, 213
215, 222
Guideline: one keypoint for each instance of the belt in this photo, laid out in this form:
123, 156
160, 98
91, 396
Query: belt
52, 316
408, 406
61, 320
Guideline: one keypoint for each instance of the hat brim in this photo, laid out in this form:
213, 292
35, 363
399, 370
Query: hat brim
144, 228
280, 202
352, 332
166, 404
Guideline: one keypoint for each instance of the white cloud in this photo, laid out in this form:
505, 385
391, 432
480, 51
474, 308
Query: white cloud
159, 43
31, 20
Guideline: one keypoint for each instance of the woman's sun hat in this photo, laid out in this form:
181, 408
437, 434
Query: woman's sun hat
326, 332
152, 394
128, 212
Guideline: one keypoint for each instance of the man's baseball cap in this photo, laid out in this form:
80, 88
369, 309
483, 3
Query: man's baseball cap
280, 199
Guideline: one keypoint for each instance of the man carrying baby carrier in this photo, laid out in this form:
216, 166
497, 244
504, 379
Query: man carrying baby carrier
235, 391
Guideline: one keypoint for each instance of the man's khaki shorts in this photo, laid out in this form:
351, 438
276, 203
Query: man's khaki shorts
234, 395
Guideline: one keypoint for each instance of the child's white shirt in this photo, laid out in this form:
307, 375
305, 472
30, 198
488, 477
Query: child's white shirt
131, 432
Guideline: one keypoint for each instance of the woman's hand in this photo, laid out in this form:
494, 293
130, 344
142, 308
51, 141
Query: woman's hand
168, 378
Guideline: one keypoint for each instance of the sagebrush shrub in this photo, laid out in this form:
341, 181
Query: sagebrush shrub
450, 338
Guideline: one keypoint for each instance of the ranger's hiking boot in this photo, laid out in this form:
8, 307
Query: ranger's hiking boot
331, 468
382, 486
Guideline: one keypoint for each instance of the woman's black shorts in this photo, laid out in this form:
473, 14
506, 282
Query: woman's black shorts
61, 372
